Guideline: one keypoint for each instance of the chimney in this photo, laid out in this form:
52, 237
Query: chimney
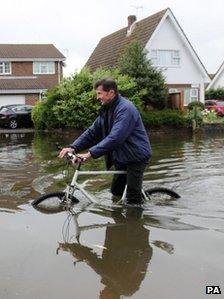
131, 20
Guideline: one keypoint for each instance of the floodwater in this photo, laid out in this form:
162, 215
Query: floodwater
168, 250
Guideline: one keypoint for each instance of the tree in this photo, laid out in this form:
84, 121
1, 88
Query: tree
215, 94
150, 81
73, 104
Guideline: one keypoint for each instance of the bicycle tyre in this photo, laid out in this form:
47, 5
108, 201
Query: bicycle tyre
60, 195
161, 190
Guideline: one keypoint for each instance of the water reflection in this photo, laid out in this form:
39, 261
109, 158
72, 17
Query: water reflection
17, 170
126, 254
28, 163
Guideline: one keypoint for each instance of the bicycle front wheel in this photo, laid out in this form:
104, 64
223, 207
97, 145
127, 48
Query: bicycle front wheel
51, 199
161, 193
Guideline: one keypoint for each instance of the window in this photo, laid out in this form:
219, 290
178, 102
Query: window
190, 95
44, 67
4, 110
18, 109
194, 94
5, 68
165, 57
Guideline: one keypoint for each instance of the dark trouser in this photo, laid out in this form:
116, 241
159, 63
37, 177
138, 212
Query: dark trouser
133, 179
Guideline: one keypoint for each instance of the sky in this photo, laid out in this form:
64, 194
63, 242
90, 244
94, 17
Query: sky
75, 27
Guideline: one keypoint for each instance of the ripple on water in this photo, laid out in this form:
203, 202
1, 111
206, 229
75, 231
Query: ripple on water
192, 168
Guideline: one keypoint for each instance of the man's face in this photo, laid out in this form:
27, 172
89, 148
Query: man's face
104, 96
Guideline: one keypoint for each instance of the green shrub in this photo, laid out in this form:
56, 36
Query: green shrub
150, 80
194, 117
43, 115
210, 116
195, 104
73, 103
216, 94
166, 117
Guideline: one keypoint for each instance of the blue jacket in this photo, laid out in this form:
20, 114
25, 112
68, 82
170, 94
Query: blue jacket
118, 133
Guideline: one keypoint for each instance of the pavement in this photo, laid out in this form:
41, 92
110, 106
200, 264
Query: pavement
16, 131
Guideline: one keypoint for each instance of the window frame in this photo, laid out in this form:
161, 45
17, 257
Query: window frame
175, 56
39, 65
191, 98
194, 97
3, 65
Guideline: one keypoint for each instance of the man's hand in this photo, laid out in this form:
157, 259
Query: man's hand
83, 157
79, 158
64, 151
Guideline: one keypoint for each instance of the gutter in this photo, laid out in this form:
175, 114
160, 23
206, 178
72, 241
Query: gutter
16, 91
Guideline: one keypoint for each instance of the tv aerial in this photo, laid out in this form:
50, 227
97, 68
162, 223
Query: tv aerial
137, 8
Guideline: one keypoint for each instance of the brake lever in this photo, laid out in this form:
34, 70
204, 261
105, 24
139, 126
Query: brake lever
70, 156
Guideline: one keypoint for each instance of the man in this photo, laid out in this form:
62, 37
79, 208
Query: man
119, 134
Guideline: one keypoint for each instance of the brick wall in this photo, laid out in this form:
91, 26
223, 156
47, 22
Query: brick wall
26, 69
31, 99
22, 69
180, 86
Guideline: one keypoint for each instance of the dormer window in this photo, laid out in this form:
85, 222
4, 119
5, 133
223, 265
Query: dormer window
165, 58
5, 68
43, 67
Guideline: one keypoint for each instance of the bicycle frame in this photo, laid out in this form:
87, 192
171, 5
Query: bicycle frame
68, 196
76, 186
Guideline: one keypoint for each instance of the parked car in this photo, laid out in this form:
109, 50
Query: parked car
216, 105
14, 116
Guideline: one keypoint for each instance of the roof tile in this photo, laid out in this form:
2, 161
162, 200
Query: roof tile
30, 51
28, 83
110, 47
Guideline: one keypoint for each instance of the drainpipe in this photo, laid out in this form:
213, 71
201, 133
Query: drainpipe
59, 72
202, 92
40, 95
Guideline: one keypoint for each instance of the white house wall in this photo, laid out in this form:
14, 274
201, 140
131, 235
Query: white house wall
167, 38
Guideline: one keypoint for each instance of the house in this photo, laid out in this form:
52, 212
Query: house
169, 50
27, 71
217, 79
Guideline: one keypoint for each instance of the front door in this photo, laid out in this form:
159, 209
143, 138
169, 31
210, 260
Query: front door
176, 101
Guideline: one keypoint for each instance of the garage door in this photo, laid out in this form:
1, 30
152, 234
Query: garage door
11, 99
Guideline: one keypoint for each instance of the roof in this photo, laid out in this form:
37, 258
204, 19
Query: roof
26, 51
216, 76
190, 47
109, 49
33, 83
211, 76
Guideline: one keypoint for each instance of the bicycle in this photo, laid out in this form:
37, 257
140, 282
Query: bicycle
68, 195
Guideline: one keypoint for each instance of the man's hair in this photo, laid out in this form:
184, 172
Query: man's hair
107, 84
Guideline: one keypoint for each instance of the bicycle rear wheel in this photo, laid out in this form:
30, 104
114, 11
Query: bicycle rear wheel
51, 199
161, 193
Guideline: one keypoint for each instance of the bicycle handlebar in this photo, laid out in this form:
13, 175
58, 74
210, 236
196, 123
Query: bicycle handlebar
70, 156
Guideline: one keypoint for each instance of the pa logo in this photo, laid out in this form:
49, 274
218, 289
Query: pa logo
213, 290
